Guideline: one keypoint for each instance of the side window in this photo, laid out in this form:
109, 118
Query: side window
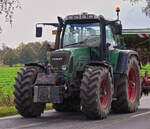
110, 37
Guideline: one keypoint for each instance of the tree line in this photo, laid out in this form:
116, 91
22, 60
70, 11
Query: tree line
24, 53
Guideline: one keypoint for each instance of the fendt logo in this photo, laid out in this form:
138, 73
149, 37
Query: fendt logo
57, 59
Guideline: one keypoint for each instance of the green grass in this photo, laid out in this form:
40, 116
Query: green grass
145, 68
7, 111
11, 110
7, 80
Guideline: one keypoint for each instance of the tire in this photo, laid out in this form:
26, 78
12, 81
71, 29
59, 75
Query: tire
95, 102
129, 89
23, 93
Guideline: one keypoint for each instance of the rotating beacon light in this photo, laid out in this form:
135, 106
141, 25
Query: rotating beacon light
118, 10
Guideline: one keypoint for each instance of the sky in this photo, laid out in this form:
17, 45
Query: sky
35, 11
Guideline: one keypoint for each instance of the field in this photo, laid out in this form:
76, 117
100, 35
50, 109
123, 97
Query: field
7, 79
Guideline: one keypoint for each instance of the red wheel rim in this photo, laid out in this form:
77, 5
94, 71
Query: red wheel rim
104, 93
132, 85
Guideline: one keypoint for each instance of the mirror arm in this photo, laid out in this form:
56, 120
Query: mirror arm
61, 21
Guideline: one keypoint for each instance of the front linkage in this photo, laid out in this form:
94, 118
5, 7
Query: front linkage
45, 89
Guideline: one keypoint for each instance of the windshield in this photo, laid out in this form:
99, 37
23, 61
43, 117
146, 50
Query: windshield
88, 34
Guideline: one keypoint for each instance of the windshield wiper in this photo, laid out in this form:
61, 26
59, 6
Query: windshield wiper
75, 44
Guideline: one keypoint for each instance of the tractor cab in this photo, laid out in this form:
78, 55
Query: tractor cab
87, 32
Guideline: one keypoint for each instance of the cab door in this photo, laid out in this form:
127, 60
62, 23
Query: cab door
111, 43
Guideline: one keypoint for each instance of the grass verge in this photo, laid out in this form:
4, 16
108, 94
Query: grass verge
7, 111
11, 110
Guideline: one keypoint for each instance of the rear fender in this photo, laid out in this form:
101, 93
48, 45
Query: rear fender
123, 59
124, 56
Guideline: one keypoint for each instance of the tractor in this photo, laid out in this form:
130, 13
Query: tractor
87, 71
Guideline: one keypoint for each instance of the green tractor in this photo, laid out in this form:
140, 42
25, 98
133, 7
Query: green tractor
87, 71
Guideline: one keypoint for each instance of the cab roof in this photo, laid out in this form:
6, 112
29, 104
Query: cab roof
86, 17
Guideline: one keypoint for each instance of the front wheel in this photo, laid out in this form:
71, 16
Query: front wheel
23, 93
96, 92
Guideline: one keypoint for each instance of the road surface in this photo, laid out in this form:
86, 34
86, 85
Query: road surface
55, 120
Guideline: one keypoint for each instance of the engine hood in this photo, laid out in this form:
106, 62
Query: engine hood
78, 52
75, 58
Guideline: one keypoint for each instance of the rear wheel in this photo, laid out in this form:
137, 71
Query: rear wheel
23, 92
129, 89
96, 92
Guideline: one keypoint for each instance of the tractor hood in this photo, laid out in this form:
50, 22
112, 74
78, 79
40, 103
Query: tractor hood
70, 60
78, 52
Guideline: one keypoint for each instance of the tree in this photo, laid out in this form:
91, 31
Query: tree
7, 8
146, 9
10, 58
27, 54
1, 56
42, 53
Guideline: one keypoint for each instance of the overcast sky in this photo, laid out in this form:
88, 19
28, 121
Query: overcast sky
34, 11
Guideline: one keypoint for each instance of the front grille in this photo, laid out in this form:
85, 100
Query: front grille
59, 58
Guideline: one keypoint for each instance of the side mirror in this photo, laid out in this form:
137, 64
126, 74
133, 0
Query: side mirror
118, 28
38, 31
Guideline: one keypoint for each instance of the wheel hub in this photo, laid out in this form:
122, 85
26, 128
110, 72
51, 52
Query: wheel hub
132, 85
104, 98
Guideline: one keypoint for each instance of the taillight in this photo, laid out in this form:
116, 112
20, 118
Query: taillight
53, 84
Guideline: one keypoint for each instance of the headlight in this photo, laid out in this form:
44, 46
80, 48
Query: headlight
64, 67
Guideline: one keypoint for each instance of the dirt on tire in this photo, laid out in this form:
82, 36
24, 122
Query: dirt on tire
23, 93
91, 92
128, 96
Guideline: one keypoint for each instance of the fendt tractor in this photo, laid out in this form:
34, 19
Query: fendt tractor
87, 71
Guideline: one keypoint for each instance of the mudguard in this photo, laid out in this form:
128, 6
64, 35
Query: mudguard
35, 64
124, 56
123, 59
102, 63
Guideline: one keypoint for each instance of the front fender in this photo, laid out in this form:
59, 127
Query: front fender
104, 64
35, 64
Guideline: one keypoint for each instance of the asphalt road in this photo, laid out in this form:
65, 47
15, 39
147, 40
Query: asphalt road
55, 120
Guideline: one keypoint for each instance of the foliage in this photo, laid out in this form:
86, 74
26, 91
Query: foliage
145, 68
146, 9
7, 79
42, 53
7, 8
24, 53
27, 54
10, 58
